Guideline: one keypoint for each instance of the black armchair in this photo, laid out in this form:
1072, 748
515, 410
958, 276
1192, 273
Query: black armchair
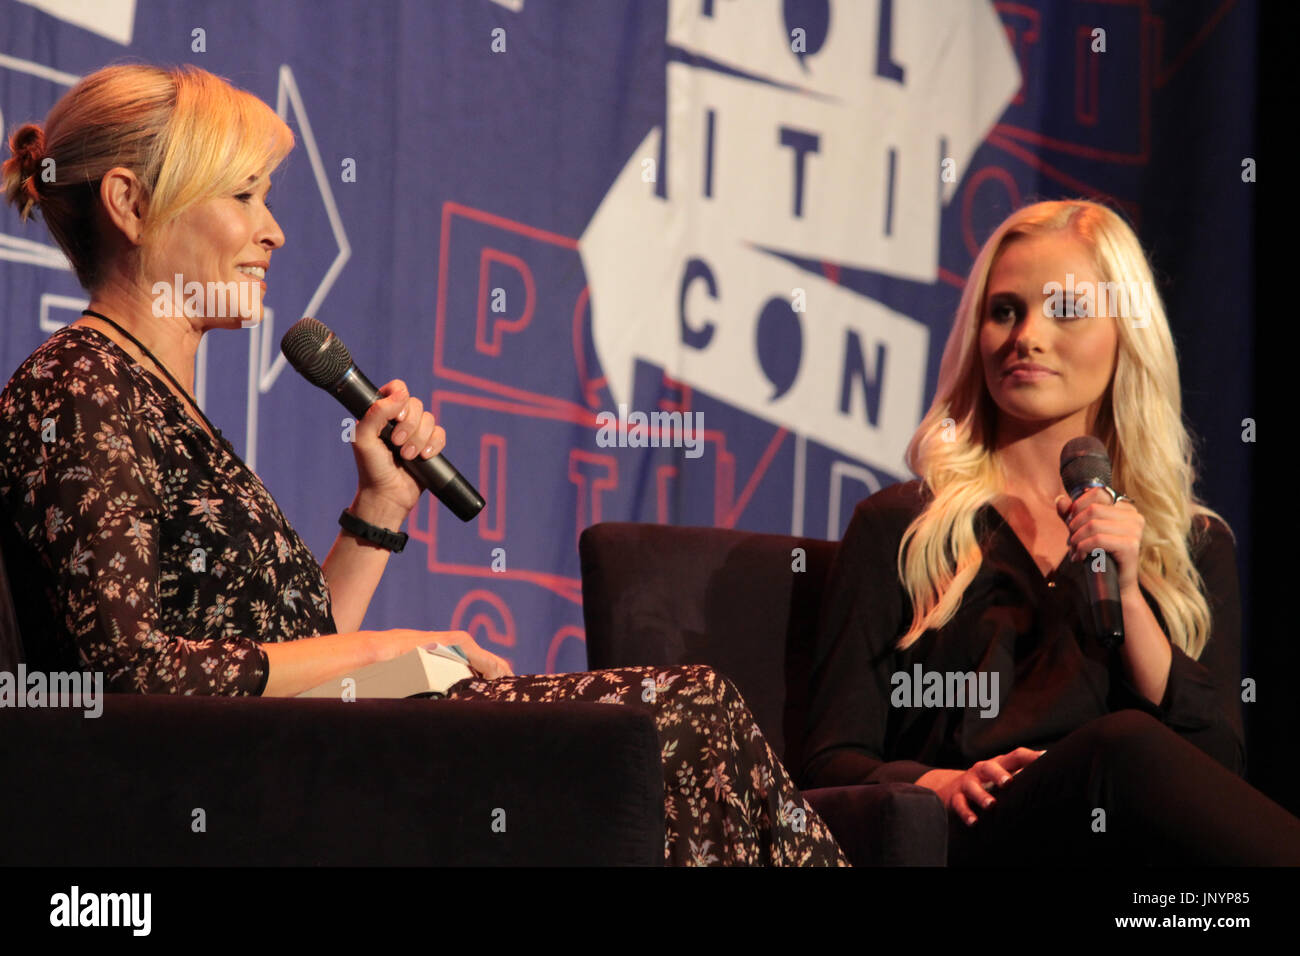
164, 780
664, 595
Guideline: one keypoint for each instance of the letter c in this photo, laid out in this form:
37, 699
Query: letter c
696, 269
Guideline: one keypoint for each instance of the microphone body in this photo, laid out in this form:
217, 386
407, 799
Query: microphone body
1086, 465
322, 359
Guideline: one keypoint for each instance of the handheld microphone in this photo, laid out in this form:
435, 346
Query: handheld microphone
1084, 465
322, 359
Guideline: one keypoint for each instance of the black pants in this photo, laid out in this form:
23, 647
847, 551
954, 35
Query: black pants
1165, 802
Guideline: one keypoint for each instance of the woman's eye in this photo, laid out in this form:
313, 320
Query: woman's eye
245, 197
1003, 312
1072, 307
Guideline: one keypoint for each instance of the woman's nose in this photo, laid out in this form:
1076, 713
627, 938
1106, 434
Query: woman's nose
273, 235
1029, 331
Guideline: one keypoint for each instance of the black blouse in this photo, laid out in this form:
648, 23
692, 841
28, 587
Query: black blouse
1033, 631
135, 544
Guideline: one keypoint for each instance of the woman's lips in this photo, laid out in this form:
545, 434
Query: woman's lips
1029, 374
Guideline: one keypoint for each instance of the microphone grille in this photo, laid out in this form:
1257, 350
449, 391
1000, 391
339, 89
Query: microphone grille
1084, 461
316, 352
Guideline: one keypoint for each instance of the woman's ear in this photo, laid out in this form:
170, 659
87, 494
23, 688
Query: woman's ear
122, 197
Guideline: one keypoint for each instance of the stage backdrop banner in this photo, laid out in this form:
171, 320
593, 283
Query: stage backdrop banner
743, 224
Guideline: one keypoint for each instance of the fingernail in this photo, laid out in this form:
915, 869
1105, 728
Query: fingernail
1003, 781
399, 436
427, 451
402, 417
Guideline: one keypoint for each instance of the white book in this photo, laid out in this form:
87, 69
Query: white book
425, 671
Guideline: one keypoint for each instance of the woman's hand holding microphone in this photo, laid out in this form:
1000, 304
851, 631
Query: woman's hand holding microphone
416, 432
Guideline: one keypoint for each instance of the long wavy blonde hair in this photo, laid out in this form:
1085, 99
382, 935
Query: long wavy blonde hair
1139, 421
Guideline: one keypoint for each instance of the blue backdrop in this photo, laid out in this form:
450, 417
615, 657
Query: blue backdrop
534, 212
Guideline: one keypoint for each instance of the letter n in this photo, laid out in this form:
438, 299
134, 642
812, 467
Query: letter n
855, 370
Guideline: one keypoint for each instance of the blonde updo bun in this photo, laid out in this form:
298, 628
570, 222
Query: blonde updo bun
22, 170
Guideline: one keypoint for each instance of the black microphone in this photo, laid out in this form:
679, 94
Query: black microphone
323, 360
1084, 465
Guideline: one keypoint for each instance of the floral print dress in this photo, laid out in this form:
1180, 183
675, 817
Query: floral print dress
727, 799
135, 545
139, 547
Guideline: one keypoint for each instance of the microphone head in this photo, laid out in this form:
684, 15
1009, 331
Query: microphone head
316, 353
1084, 462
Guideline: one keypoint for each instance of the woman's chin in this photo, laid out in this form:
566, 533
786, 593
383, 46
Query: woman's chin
1032, 415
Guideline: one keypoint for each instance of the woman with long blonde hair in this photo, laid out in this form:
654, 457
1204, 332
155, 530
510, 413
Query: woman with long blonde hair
956, 647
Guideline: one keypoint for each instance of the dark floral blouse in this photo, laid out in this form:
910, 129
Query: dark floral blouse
135, 545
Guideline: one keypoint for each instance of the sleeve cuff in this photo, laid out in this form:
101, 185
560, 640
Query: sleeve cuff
848, 768
900, 771
1189, 699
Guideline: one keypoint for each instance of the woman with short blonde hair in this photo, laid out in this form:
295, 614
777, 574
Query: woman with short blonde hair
173, 127
145, 548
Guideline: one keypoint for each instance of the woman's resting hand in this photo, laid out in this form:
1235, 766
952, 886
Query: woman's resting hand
482, 662
960, 790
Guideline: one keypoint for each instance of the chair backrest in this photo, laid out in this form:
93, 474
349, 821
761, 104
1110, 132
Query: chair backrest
746, 604
11, 645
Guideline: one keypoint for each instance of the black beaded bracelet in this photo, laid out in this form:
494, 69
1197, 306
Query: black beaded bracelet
394, 541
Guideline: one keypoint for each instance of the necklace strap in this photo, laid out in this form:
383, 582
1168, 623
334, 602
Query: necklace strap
163, 368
